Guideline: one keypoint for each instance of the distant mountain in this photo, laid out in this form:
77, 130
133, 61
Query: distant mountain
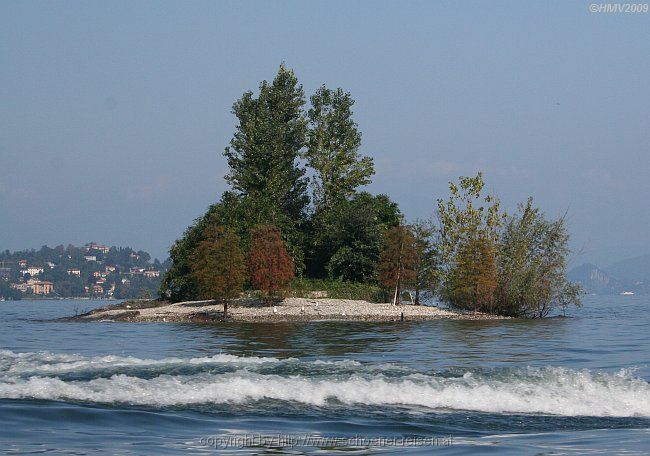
634, 270
595, 280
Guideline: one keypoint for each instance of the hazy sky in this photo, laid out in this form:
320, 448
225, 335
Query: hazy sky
114, 115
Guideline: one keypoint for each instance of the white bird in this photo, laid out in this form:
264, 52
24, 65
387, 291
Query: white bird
302, 309
317, 305
275, 309
343, 313
128, 306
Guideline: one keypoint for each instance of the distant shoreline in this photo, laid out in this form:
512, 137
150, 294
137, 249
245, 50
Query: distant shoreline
287, 310
67, 298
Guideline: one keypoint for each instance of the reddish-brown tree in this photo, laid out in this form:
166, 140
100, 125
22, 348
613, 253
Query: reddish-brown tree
397, 261
219, 266
473, 280
271, 267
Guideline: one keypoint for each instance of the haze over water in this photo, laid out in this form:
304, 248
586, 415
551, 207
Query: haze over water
124, 108
577, 384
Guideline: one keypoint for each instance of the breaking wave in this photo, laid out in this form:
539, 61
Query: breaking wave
532, 390
44, 362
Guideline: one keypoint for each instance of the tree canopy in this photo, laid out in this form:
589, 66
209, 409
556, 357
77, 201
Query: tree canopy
271, 267
348, 238
491, 262
219, 266
532, 265
333, 148
341, 235
264, 151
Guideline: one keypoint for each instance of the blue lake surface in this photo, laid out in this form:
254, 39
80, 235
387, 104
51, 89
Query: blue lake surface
575, 385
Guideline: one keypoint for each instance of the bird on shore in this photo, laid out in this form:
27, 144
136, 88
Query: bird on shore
275, 309
302, 309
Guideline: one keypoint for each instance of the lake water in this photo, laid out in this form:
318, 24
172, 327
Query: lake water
562, 386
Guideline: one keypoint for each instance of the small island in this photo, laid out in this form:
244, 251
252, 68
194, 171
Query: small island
295, 238
286, 310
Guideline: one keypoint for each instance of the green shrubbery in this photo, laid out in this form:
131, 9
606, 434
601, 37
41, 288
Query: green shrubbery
337, 289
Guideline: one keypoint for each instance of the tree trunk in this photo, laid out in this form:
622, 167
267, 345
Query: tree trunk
397, 287
417, 296
225, 310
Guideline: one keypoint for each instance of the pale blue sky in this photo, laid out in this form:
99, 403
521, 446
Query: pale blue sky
114, 115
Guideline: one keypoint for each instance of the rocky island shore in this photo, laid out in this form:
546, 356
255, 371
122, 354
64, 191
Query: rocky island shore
287, 310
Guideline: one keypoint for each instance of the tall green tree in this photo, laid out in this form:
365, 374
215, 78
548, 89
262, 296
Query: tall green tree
333, 148
264, 152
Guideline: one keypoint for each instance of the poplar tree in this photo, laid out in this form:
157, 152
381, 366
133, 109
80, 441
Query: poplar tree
333, 148
264, 151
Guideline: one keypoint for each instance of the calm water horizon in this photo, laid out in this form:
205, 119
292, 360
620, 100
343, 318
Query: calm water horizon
572, 385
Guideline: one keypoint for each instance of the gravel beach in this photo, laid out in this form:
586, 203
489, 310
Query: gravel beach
289, 309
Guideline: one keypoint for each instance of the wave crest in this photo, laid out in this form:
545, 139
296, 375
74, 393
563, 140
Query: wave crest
547, 390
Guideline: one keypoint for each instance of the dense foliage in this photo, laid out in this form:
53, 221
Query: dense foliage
347, 238
6, 292
219, 267
271, 267
511, 265
425, 261
532, 265
340, 234
336, 236
472, 280
333, 148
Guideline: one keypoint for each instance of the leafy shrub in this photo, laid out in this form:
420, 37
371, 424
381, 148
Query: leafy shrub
337, 289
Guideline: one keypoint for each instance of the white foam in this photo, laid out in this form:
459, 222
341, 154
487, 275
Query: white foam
50, 363
550, 390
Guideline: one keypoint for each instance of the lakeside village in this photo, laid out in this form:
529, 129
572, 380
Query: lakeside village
92, 271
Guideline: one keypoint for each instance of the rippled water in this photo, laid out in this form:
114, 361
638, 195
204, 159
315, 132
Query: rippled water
566, 386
